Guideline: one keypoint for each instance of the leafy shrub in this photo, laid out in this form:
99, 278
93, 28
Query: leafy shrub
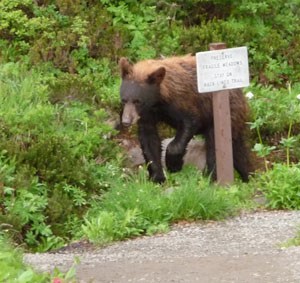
269, 31
55, 32
101, 75
54, 158
276, 116
144, 28
274, 28
275, 108
281, 186
69, 35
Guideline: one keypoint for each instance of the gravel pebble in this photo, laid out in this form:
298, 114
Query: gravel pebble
257, 237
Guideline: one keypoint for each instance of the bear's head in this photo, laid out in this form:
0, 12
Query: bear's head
140, 89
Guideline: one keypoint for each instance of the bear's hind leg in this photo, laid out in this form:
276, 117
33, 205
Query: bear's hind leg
242, 158
210, 154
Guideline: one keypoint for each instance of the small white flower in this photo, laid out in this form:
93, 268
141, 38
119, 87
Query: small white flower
298, 96
249, 95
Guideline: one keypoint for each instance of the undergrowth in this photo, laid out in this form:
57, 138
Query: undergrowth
135, 206
280, 186
54, 158
13, 268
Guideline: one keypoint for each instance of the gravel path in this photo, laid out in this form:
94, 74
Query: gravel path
244, 249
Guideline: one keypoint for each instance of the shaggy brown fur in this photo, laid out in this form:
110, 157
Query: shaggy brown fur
177, 102
195, 153
179, 88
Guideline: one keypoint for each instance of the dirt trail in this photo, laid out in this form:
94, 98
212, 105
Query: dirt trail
244, 249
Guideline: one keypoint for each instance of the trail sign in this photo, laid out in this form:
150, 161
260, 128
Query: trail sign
222, 69
218, 71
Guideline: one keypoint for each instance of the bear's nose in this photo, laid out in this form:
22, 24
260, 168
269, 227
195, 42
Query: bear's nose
126, 124
126, 120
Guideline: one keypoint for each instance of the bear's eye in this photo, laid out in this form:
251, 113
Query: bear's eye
124, 101
136, 101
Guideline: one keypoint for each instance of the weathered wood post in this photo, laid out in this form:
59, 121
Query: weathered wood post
218, 71
222, 128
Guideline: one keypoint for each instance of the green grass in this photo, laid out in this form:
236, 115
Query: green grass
135, 206
296, 240
13, 268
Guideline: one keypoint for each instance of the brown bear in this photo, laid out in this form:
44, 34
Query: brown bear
195, 153
165, 90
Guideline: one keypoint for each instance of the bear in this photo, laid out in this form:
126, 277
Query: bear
157, 91
194, 154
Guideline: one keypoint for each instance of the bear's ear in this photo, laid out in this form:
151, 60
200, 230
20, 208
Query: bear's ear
157, 76
125, 67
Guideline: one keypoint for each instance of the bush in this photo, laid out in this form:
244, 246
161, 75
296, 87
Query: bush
275, 108
71, 35
54, 159
270, 32
281, 186
276, 132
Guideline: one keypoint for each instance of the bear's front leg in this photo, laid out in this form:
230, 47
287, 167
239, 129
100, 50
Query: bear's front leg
151, 147
177, 148
174, 157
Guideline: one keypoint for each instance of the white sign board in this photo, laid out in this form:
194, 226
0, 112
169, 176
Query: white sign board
222, 69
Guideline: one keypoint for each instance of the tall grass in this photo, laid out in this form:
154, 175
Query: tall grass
136, 206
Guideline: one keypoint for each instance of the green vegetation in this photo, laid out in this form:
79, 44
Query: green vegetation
135, 206
294, 241
54, 158
12, 268
62, 174
281, 186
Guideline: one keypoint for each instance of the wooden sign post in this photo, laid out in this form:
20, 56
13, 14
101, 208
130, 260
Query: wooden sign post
222, 127
219, 70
